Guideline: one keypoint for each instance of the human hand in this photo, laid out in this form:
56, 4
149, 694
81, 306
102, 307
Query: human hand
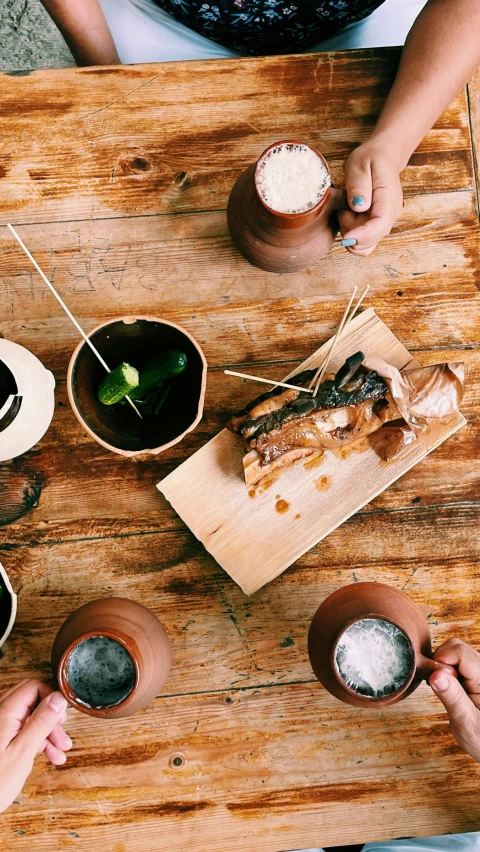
31, 718
374, 195
461, 698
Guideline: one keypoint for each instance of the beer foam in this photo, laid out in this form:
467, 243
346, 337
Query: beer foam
374, 657
100, 672
292, 178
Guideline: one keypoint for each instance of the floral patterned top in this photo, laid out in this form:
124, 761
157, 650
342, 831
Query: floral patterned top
261, 27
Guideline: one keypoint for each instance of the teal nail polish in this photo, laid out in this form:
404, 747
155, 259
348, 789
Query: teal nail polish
350, 242
358, 201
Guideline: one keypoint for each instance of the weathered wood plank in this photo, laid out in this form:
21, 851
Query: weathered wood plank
287, 758
164, 138
89, 492
293, 776
473, 92
431, 263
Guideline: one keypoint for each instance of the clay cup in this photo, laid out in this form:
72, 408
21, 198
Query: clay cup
368, 600
134, 627
281, 242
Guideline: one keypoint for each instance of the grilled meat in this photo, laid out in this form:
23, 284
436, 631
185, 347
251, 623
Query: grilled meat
283, 426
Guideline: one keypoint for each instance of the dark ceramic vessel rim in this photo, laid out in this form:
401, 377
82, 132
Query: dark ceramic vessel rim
63, 682
130, 319
391, 695
292, 216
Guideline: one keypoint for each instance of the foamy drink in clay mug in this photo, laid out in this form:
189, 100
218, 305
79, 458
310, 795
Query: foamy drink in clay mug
370, 645
111, 658
281, 210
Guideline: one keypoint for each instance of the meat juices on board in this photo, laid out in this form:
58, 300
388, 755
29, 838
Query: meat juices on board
374, 657
292, 178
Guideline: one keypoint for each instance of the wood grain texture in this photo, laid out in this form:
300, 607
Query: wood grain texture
166, 138
262, 742
119, 179
111, 496
473, 93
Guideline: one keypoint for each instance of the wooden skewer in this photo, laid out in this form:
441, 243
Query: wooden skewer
69, 314
267, 381
348, 320
356, 307
317, 378
322, 369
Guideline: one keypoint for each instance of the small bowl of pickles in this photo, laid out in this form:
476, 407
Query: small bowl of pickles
154, 393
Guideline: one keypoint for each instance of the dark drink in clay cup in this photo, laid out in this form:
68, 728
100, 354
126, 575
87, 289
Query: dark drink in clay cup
101, 672
281, 210
111, 658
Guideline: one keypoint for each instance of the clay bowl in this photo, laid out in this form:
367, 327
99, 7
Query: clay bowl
131, 625
368, 600
134, 340
8, 607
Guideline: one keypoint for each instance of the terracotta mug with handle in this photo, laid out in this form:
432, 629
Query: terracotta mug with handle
276, 241
357, 602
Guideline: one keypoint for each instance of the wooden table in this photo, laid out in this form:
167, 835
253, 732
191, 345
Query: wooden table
118, 180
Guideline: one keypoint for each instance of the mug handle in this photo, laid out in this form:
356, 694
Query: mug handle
426, 667
338, 199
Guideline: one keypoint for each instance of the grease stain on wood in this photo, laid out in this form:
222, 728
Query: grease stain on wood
323, 483
316, 461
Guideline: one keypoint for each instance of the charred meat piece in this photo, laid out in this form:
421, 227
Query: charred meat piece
283, 426
268, 402
329, 429
349, 370
372, 387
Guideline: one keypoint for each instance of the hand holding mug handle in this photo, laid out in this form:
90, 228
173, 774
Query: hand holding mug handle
426, 667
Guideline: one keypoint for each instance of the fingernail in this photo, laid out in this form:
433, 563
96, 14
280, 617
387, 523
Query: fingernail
440, 684
57, 702
349, 242
358, 201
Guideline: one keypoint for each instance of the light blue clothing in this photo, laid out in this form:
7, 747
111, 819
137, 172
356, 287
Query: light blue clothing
446, 843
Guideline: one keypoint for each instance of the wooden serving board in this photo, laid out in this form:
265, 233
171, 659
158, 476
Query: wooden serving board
255, 536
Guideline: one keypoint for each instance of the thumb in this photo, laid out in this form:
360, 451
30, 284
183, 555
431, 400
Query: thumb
461, 710
40, 724
358, 182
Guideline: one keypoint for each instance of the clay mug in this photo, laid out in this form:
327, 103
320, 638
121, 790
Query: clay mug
134, 627
369, 600
281, 242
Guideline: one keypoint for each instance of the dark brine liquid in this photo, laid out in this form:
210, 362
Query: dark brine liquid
101, 672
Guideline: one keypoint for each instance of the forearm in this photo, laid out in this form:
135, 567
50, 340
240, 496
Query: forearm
440, 56
85, 30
